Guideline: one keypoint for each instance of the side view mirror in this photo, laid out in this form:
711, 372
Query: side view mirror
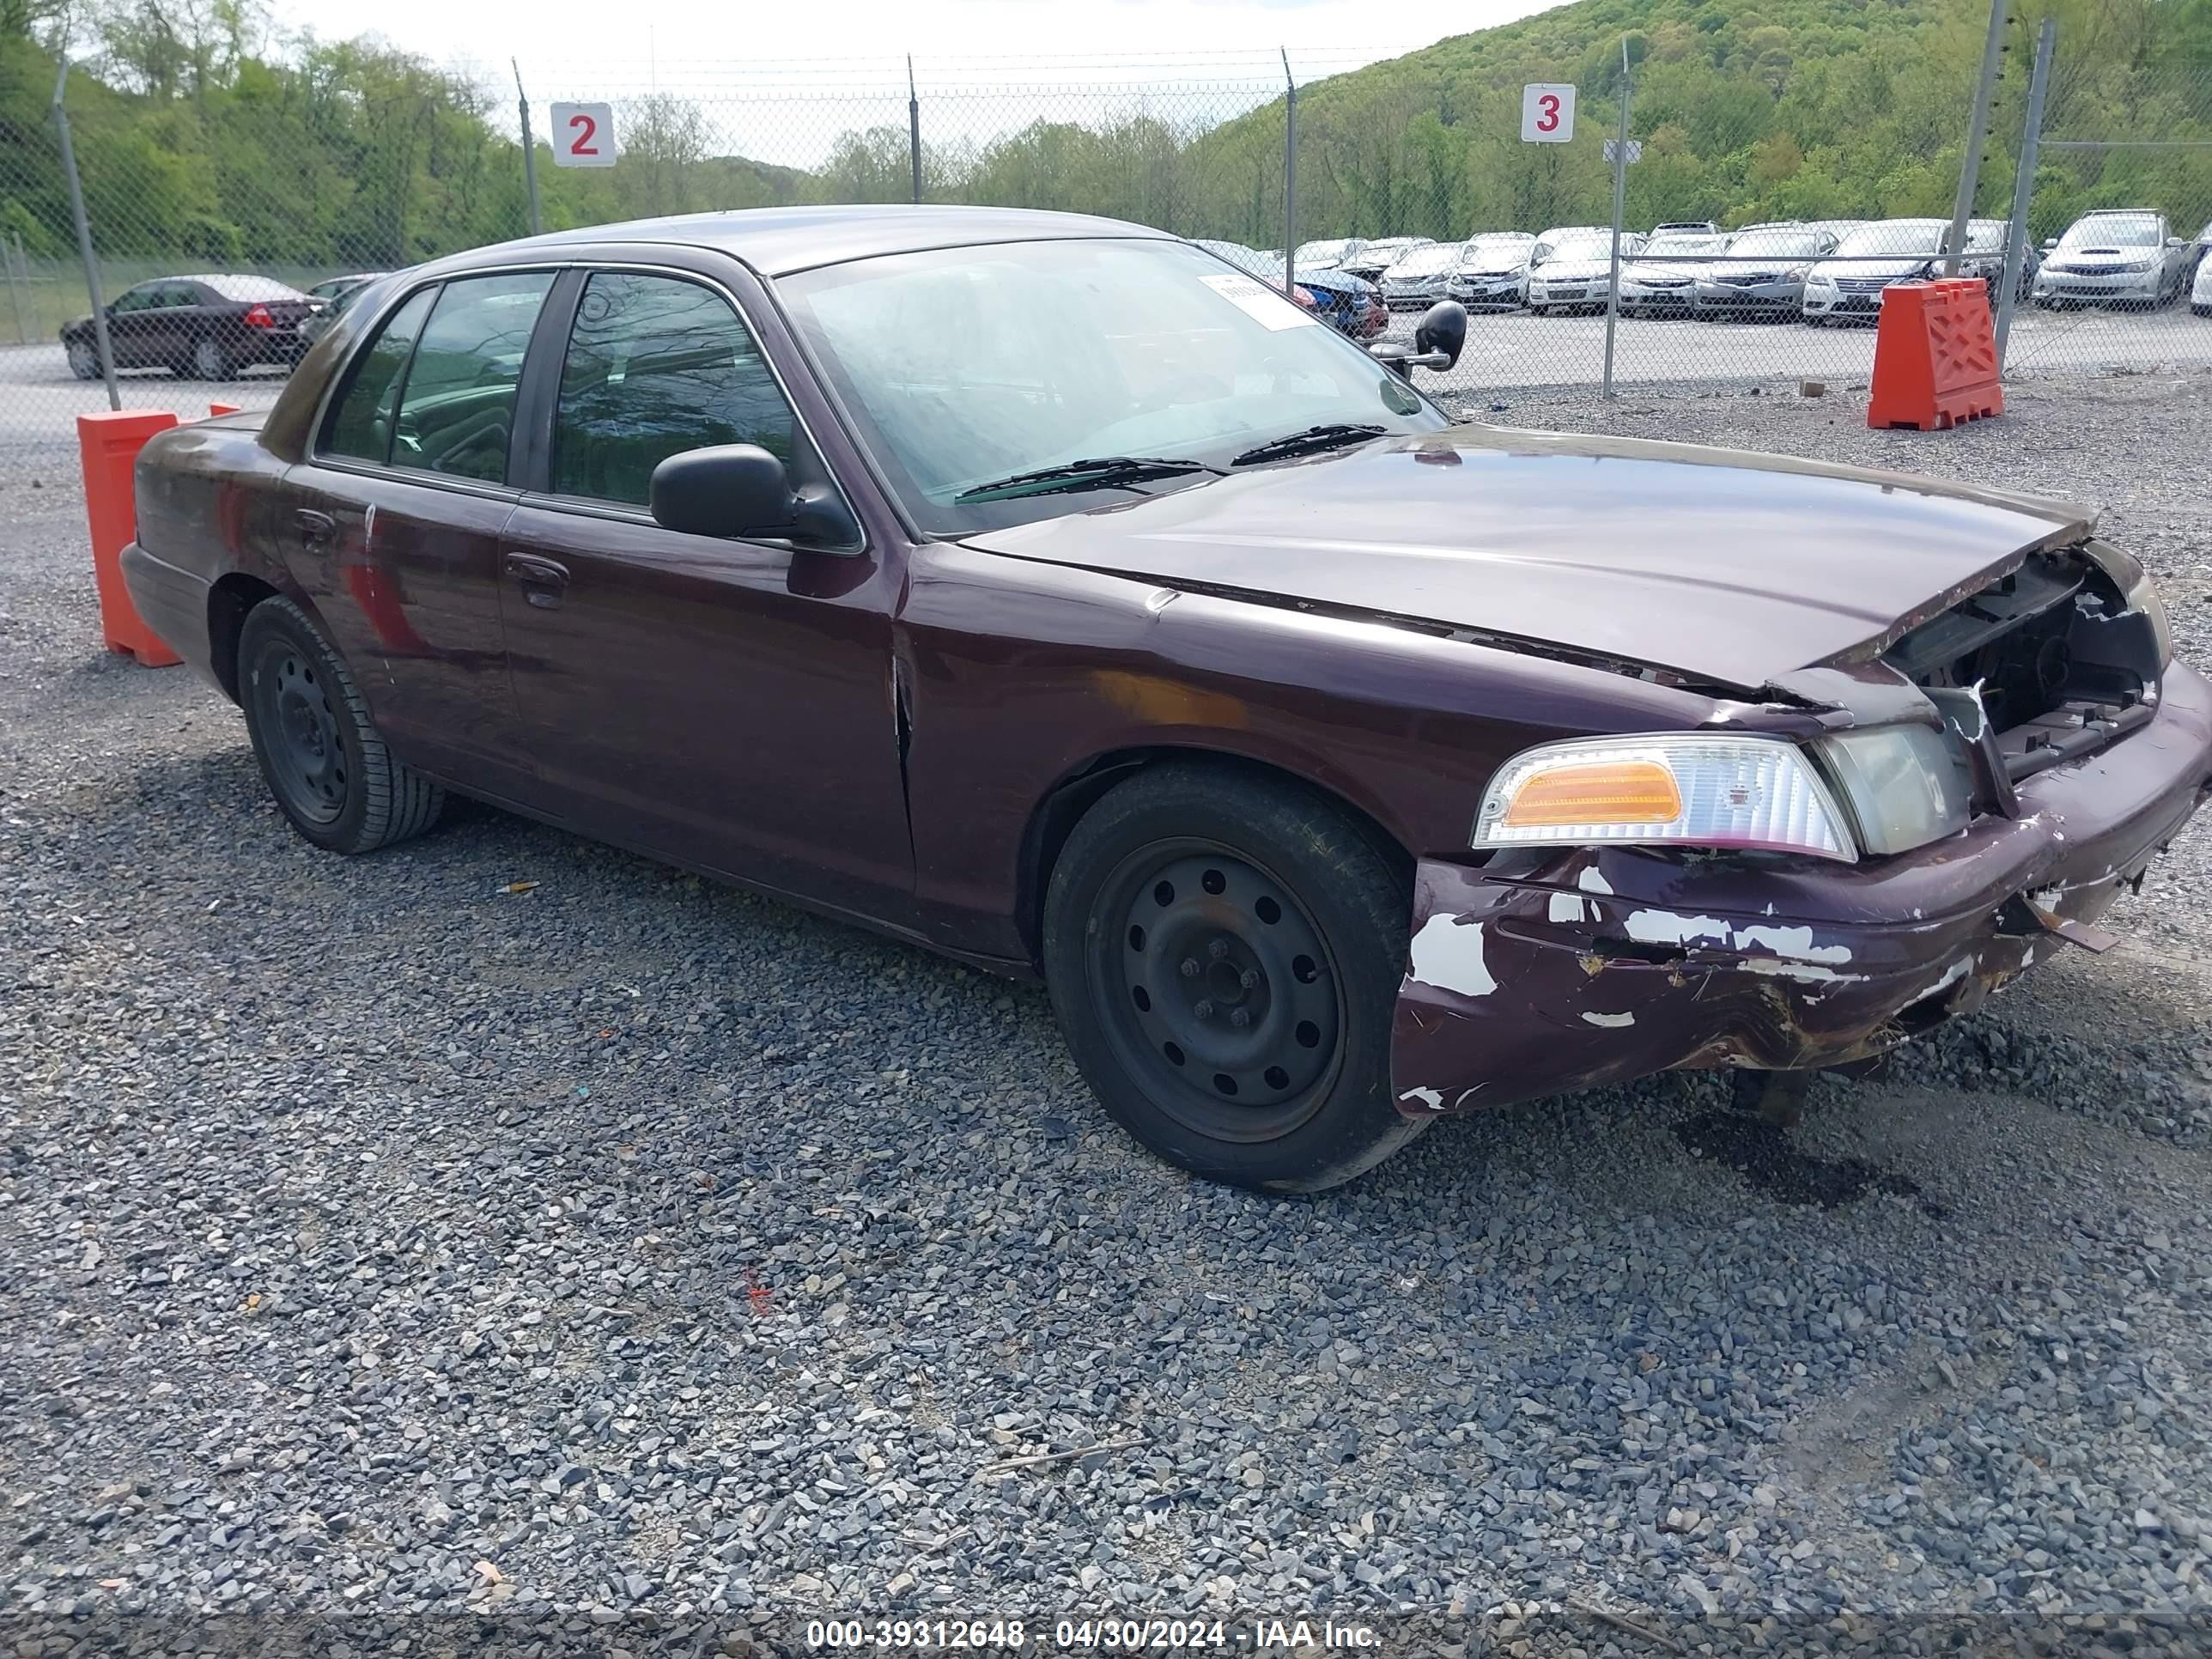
1438, 339
2173, 242
740, 490
2050, 241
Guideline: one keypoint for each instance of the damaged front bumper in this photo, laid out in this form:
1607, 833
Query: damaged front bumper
1559, 969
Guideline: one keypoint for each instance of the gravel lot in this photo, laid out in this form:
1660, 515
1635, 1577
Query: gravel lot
380, 1241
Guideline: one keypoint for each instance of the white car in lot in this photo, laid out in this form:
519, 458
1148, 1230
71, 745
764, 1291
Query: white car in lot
2200, 292
2127, 256
1764, 272
1663, 280
1420, 277
1575, 273
1848, 284
1493, 264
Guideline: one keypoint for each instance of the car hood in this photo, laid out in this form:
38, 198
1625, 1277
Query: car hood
1493, 268
2101, 255
1890, 270
1573, 270
1647, 268
1729, 568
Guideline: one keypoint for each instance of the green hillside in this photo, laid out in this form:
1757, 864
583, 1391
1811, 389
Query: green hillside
1773, 109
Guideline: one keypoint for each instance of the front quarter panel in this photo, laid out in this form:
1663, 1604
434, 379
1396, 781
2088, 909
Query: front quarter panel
1024, 676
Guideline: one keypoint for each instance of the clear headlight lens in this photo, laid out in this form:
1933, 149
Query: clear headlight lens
1906, 785
1683, 789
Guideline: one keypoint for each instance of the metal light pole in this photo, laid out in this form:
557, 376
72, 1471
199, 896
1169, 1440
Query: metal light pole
913, 126
1619, 201
529, 149
2023, 185
1290, 177
84, 242
1970, 170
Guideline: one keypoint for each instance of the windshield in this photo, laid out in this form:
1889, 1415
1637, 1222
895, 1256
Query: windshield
964, 366
1661, 248
1425, 261
1581, 247
1323, 253
1905, 238
1775, 244
2113, 232
1480, 247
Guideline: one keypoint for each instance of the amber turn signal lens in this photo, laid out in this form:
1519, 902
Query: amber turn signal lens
1599, 791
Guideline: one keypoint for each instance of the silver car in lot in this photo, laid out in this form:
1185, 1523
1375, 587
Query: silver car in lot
1663, 280
1764, 272
1575, 273
1420, 277
2127, 256
1848, 285
1493, 264
2200, 292
1327, 254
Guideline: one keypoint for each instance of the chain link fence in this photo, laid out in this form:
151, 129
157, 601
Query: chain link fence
1758, 232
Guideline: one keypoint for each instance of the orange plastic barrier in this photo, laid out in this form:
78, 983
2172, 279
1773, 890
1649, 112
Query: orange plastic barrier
1934, 356
222, 408
109, 443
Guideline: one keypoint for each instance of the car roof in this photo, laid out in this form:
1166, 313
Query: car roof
777, 242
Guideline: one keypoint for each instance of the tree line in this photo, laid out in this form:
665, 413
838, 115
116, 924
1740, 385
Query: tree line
203, 136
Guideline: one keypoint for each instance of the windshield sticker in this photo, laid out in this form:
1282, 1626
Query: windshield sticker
1264, 305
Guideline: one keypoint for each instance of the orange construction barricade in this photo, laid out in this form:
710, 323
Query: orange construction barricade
1934, 356
109, 443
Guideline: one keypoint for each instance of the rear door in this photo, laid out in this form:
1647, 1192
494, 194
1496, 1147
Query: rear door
395, 522
726, 703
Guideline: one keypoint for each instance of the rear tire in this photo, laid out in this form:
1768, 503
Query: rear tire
320, 753
1223, 952
83, 360
210, 362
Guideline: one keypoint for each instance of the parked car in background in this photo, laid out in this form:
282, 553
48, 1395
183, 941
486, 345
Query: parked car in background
338, 295
1378, 256
1685, 227
1327, 254
2200, 290
1421, 276
2200, 249
2125, 257
1351, 305
1574, 272
997, 580
1663, 279
1489, 272
208, 326
1848, 284
1763, 272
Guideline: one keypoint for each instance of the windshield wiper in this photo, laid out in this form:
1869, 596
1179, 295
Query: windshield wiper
1333, 435
1099, 472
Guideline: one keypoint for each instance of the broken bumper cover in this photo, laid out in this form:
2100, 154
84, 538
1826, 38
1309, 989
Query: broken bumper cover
1561, 968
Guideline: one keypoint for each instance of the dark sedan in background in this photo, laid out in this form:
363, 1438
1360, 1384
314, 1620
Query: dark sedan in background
1045, 591
207, 327
338, 295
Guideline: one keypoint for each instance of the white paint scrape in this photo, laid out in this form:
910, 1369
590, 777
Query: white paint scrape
1449, 957
1590, 882
1428, 1098
1566, 906
1793, 944
1612, 1022
1665, 927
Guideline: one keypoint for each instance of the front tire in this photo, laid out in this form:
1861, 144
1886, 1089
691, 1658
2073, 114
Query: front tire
320, 754
1223, 952
83, 360
210, 362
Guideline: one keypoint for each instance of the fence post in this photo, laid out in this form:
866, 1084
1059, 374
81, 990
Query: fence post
913, 127
18, 277
1970, 169
84, 241
1620, 199
529, 149
1290, 177
2023, 187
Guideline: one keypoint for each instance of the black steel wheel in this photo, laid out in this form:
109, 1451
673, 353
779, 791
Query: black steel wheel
320, 753
1224, 951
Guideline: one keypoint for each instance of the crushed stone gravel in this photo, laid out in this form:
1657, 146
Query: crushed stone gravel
625, 1255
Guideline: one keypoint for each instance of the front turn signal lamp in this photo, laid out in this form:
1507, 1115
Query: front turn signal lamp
1682, 789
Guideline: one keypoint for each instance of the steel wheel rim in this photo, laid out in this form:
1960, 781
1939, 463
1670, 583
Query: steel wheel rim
82, 357
207, 357
1216, 991
300, 735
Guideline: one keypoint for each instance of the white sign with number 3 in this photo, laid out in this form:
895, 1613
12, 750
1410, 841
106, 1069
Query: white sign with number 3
1547, 114
583, 134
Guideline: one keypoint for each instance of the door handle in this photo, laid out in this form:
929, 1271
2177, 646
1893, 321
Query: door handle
317, 529
543, 579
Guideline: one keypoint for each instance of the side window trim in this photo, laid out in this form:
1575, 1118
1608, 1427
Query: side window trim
342, 382
538, 487
529, 459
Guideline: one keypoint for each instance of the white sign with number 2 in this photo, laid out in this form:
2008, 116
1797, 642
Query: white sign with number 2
1547, 114
583, 134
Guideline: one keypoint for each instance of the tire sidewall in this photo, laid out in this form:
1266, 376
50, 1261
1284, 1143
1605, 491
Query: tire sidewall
1363, 930
209, 362
279, 622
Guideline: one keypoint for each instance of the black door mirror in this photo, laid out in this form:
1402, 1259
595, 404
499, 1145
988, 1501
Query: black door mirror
1442, 328
742, 490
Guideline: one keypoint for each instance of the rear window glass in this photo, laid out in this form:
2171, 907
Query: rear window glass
457, 410
250, 288
360, 423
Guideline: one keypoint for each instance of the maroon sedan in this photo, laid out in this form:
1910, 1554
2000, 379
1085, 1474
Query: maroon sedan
1045, 591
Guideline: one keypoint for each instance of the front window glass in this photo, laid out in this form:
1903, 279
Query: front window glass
656, 366
1680, 248
2138, 231
457, 410
965, 366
